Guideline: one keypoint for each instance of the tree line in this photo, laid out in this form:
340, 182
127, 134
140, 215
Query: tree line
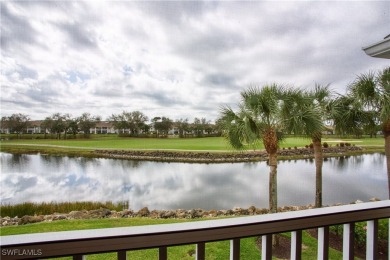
133, 123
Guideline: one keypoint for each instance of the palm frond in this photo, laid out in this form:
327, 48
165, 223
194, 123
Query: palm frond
364, 89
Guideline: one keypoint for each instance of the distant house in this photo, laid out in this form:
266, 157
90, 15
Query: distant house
4, 129
103, 128
35, 127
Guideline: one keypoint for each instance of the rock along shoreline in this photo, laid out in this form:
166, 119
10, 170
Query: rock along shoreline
219, 157
154, 214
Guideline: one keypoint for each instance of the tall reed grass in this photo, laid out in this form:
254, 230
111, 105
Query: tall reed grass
47, 208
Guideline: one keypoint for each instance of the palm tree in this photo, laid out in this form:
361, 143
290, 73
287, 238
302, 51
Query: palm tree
372, 91
262, 114
305, 113
348, 115
321, 97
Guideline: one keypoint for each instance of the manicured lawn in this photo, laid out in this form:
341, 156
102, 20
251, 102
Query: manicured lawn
196, 144
214, 250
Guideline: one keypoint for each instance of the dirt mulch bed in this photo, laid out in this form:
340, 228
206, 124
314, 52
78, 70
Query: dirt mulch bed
283, 250
336, 242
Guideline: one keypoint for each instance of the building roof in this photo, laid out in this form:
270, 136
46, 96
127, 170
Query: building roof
380, 49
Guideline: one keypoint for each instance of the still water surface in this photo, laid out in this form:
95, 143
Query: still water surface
161, 185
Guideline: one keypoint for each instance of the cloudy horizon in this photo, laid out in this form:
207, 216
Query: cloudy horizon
179, 59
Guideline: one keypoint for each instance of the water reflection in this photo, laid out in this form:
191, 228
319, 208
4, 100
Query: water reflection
181, 185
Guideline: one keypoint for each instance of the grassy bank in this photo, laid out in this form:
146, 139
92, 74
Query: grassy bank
187, 144
214, 250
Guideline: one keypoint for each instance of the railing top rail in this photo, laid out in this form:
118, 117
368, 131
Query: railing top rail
259, 224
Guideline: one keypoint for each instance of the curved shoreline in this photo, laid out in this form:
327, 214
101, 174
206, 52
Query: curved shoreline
189, 156
223, 157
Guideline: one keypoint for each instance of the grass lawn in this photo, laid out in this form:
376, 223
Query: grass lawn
214, 250
195, 144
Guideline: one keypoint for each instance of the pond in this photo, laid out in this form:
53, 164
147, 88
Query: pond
162, 185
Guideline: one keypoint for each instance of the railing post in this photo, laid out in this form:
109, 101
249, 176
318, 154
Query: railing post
79, 257
162, 253
122, 255
323, 243
200, 251
235, 249
348, 241
372, 239
266, 247
296, 244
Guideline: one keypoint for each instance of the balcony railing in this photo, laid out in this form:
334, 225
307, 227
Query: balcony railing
81, 243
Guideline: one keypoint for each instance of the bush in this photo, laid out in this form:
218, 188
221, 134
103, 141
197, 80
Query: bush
325, 145
342, 144
44, 208
361, 231
311, 146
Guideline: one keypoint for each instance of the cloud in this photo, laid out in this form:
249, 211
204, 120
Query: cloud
15, 29
106, 57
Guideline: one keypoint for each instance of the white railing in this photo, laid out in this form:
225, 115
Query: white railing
81, 243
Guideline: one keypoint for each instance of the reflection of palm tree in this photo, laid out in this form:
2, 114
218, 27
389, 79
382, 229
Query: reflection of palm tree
263, 113
372, 91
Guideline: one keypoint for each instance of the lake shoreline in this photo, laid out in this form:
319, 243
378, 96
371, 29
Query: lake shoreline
153, 214
193, 156
220, 157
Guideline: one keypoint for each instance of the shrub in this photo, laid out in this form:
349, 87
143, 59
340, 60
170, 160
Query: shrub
46, 208
325, 145
342, 144
311, 146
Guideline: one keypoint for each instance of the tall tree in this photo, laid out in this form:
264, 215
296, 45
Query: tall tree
321, 98
46, 125
67, 121
348, 115
372, 91
305, 113
121, 121
163, 125
262, 115
257, 119
199, 126
183, 126
16, 123
86, 121
137, 122
56, 124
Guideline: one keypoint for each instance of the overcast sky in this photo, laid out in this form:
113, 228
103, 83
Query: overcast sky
176, 59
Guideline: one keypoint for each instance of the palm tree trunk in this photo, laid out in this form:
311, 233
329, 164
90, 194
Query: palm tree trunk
273, 187
318, 159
